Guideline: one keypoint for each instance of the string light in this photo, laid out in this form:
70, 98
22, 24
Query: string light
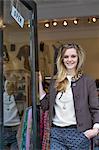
94, 19
65, 23
54, 23
47, 24
75, 21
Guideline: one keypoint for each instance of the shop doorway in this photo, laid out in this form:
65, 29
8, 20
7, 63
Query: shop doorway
18, 68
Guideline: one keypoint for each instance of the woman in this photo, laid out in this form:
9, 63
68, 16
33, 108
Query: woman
72, 102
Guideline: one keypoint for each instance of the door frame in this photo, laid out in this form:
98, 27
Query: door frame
30, 5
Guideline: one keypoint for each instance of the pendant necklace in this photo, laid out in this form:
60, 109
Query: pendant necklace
64, 107
63, 102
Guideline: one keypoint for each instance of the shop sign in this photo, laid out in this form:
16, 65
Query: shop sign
17, 16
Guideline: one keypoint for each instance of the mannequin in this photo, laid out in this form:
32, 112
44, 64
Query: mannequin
11, 117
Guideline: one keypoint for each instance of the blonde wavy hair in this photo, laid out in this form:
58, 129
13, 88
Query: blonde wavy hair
61, 80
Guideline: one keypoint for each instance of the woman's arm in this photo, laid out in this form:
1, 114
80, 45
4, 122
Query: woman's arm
44, 98
93, 101
94, 109
42, 93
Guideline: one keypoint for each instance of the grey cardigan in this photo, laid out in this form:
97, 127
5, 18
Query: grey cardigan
85, 98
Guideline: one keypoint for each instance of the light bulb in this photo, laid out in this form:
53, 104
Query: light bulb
94, 19
65, 23
75, 21
54, 23
47, 24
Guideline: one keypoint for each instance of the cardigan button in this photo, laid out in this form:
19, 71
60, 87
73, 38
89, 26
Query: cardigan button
77, 96
74, 84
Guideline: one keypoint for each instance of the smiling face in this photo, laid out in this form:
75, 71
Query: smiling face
70, 60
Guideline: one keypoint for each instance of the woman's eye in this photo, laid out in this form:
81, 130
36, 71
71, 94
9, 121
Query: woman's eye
73, 56
65, 56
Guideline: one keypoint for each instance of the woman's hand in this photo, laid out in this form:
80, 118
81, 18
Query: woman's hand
91, 133
42, 93
40, 77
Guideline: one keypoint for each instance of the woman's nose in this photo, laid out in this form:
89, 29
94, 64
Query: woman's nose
69, 58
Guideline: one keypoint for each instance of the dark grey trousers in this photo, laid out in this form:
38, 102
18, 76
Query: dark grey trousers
9, 138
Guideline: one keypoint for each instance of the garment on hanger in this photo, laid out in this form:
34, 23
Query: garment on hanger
44, 129
25, 131
56, 48
24, 52
44, 59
